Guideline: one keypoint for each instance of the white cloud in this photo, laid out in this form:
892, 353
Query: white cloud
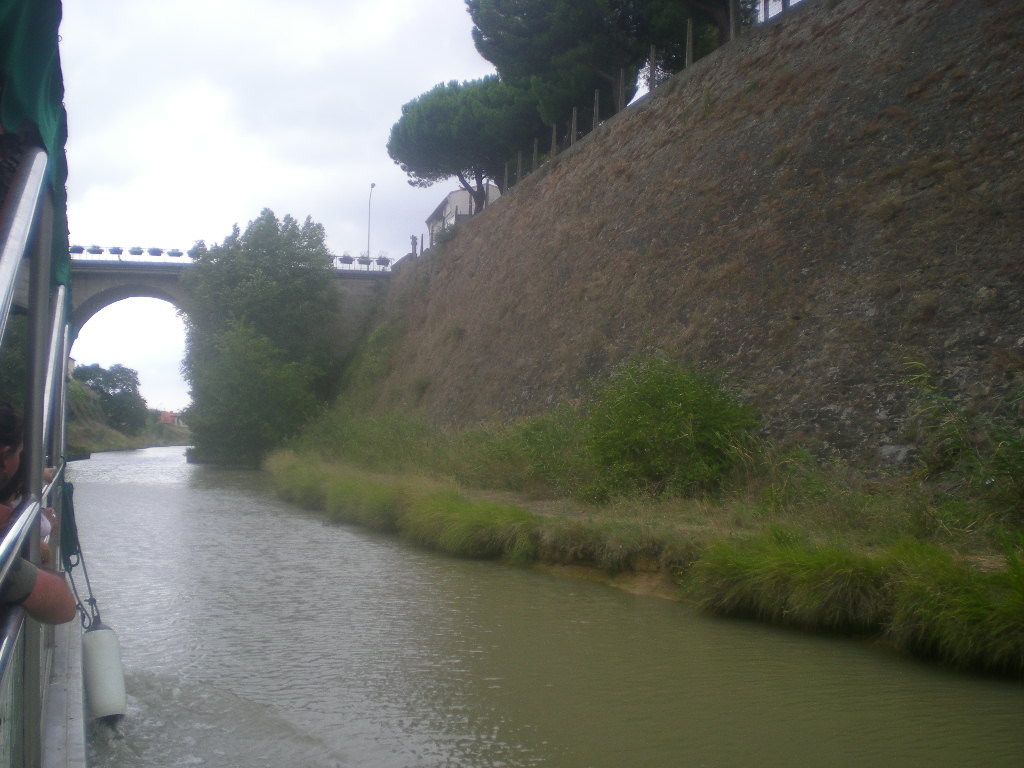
189, 116
145, 335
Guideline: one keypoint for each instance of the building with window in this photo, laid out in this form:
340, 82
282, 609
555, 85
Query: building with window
456, 207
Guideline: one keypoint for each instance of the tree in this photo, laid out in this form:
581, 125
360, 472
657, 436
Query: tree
464, 130
564, 50
273, 286
561, 50
248, 397
13, 362
118, 391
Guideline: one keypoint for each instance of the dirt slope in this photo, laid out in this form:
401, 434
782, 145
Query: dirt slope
808, 209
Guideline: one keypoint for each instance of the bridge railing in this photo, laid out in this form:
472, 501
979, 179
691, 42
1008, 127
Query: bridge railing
98, 255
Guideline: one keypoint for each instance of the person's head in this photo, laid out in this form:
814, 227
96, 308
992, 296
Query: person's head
12, 436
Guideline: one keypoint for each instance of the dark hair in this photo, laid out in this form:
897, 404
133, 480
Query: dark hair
12, 431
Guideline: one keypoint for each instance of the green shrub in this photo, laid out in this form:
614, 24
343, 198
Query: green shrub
656, 427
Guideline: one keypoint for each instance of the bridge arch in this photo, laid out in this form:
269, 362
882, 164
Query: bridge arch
84, 310
98, 285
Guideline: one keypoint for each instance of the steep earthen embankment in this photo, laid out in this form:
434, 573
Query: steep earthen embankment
808, 209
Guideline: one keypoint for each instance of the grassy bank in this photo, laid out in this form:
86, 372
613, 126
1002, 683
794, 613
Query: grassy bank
661, 470
89, 436
89, 430
915, 596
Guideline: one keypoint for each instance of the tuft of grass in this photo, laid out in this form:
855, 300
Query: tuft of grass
432, 514
782, 578
296, 479
448, 522
962, 617
919, 598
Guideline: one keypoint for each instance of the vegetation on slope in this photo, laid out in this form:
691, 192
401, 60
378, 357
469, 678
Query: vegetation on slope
821, 216
807, 209
90, 430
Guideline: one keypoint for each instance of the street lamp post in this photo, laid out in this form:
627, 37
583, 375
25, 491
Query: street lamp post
369, 218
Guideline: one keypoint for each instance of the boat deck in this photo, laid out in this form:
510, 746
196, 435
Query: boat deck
63, 708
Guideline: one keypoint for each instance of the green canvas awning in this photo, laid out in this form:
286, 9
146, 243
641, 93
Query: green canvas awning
32, 100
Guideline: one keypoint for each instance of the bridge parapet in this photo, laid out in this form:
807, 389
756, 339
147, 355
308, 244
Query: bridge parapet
99, 280
96, 255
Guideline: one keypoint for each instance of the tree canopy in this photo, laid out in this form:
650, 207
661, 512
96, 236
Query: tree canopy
464, 130
118, 391
561, 50
564, 50
551, 56
259, 352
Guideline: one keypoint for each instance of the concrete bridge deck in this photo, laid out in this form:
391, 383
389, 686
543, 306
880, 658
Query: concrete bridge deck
98, 282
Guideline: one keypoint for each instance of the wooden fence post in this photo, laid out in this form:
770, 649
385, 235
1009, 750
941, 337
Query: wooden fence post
572, 128
519, 166
597, 110
622, 91
506, 177
533, 165
554, 140
734, 19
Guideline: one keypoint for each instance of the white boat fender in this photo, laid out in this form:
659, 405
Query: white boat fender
102, 673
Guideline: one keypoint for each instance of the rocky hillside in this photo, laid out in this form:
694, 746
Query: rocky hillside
809, 209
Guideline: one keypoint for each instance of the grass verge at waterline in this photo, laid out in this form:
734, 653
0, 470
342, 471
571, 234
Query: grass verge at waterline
912, 595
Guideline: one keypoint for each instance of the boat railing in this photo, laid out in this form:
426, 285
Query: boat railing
26, 221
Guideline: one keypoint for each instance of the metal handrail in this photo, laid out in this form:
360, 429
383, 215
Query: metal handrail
17, 220
24, 516
9, 634
26, 221
55, 359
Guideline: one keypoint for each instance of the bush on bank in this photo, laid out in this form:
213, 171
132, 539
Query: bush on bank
651, 428
656, 427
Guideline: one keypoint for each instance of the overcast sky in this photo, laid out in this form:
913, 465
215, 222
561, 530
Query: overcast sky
186, 117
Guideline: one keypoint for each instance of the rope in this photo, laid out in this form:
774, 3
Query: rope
71, 557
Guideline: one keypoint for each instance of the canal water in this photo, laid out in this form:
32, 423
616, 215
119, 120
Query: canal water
254, 634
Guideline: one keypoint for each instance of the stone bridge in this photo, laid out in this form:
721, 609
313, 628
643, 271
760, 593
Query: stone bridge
98, 283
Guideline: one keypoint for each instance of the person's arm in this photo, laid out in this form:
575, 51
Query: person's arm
44, 594
51, 601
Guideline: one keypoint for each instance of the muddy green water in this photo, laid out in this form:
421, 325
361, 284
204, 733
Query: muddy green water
253, 634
